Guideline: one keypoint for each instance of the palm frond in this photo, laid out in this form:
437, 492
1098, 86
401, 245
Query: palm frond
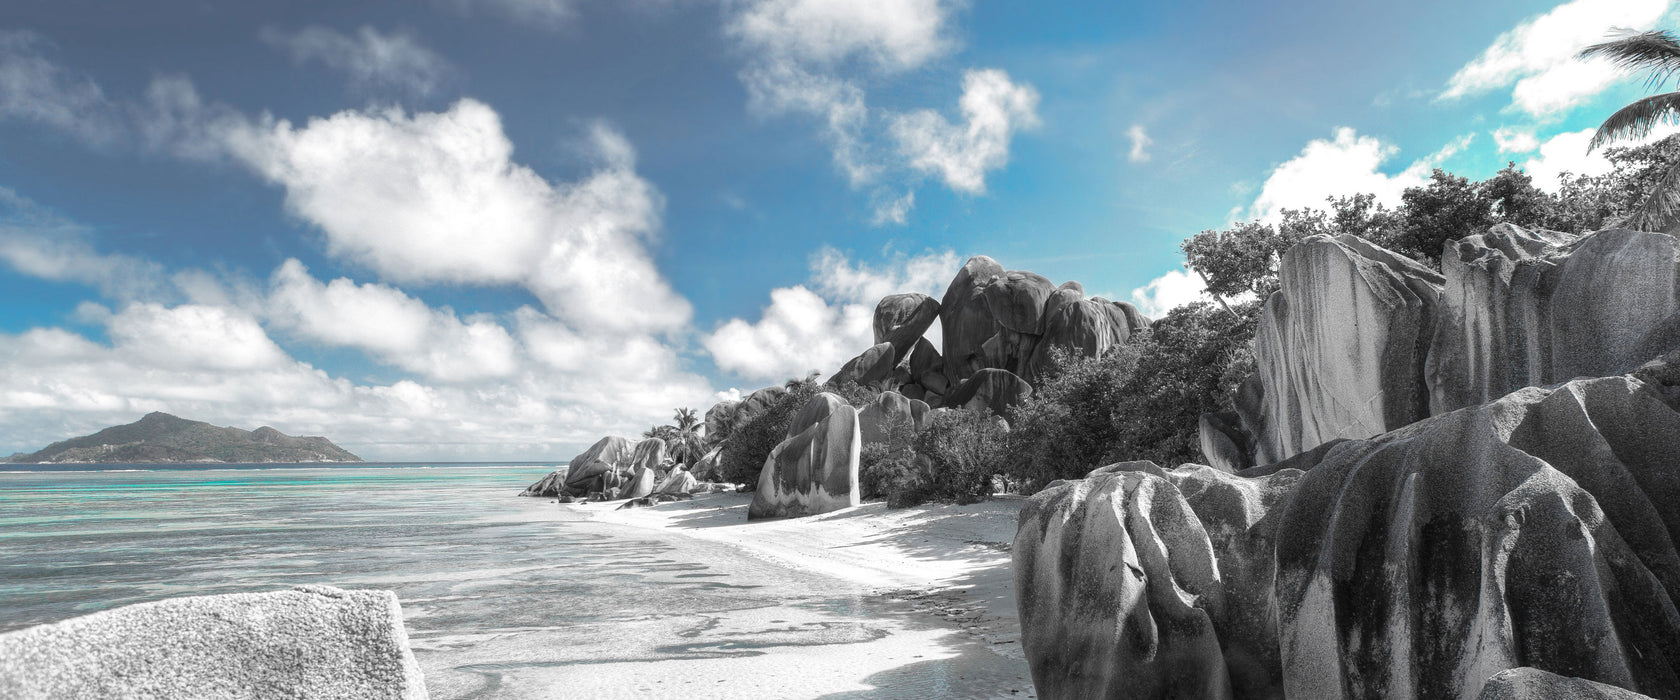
1661, 209
1654, 51
1636, 120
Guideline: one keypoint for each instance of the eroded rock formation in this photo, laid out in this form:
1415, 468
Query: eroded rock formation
995, 390
876, 418
309, 642
815, 470
1533, 531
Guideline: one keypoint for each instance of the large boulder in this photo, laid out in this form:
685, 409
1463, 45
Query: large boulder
1341, 348
756, 403
707, 466
678, 483
1087, 327
995, 390
872, 368
1534, 684
552, 485
902, 319
1537, 530
888, 409
965, 319
1017, 299
641, 484
1225, 445
1530, 308
308, 642
649, 454
815, 470
720, 419
608, 455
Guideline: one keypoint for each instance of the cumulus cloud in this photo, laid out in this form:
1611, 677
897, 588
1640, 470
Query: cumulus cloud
393, 326
36, 89
372, 60
435, 197
1538, 55
895, 210
1140, 144
1512, 140
993, 108
1344, 165
1169, 291
776, 88
544, 14
892, 34
828, 320
1567, 153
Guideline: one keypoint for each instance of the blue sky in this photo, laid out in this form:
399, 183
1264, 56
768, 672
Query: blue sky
498, 229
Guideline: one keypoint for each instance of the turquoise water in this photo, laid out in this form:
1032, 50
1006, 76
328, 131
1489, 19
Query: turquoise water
502, 596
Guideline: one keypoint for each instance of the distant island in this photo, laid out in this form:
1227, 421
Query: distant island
163, 438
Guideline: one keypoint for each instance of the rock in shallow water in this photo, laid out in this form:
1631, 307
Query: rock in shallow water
309, 642
1537, 530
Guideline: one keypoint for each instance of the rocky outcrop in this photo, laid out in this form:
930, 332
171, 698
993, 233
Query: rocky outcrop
902, 319
641, 483
678, 483
1530, 308
1087, 327
649, 454
1225, 445
1532, 531
815, 470
707, 466
309, 642
873, 368
552, 485
1340, 350
965, 319
994, 390
607, 456
890, 408
720, 419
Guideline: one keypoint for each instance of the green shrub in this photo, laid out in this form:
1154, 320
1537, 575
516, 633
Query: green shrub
750, 442
1067, 427
956, 457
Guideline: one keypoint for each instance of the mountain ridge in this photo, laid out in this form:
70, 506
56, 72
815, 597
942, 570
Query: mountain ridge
162, 438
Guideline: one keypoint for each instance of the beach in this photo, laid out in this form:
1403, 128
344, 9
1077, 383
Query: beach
511, 597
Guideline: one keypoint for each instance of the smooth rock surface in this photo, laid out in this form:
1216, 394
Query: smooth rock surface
308, 642
641, 484
995, 390
815, 470
1087, 327
874, 367
1534, 684
966, 320
649, 454
902, 319
1340, 349
607, 456
1225, 445
1016, 299
552, 485
1537, 530
1531, 308
679, 482
889, 408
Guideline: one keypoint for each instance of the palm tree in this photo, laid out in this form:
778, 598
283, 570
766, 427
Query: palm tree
686, 444
1659, 53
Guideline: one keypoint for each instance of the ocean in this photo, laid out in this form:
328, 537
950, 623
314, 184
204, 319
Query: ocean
502, 596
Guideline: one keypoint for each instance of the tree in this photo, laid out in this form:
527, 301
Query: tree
1067, 427
1657, 53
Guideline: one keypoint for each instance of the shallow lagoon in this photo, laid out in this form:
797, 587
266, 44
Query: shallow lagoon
502, 596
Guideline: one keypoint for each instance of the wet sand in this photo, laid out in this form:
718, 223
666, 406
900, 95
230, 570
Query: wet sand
863, 603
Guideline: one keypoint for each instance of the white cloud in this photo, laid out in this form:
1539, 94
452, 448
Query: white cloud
1511, 140
1567, 153
1538, 55
778, 88
34, 88
1140, 144
371, 59
1169, 291
993, 108
892, 34
397, 328
1346, 165
436, 197
193, 336
825, 322
895, 211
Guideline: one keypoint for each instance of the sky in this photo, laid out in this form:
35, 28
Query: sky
499, 229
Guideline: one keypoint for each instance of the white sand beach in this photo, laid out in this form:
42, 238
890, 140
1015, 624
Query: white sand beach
941, 570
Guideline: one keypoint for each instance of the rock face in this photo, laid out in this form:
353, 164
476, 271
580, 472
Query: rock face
1535, 684
552, 485
995, 390
1537, 530
720, 418
889, 408
641, 484
815, 470
1340, 350
901, 319
1531, 308
1224, 443
965, 320
649, 454
309, 642
872, 368
679, 483
1087, 327
607, 456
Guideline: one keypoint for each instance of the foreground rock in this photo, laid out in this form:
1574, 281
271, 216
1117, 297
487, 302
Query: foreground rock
815, 470
1537, 531
309, 642
609, 457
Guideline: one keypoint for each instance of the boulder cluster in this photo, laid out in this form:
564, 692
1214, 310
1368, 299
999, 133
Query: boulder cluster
1000, 331
1467, 489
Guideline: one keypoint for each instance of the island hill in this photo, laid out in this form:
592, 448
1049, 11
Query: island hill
163, 438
